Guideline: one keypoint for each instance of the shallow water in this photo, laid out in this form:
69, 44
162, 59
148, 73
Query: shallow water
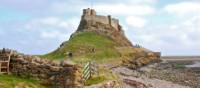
195, 64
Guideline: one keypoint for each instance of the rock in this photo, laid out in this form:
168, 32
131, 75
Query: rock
52, 78
141, 59
54, 68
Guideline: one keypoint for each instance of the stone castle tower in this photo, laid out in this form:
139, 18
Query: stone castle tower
103, 25
90, 15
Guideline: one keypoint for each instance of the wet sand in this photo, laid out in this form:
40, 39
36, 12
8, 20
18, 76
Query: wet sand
180, 58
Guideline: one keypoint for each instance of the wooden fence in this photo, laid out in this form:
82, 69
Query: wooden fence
90, 69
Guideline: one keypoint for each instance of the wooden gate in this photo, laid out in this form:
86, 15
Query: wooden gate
90, 69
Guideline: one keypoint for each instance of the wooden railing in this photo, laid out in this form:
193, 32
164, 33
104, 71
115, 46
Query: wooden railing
4, 62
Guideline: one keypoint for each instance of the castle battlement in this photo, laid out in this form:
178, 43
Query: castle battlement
90, 15
89, 12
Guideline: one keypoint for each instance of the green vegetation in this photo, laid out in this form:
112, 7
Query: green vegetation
86, 45
95, 80
179, 66
104, 75
11, 81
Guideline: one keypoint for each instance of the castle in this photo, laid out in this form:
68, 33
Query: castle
90, 15
102, 25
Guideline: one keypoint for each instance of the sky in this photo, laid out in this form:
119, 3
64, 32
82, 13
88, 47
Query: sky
40, 26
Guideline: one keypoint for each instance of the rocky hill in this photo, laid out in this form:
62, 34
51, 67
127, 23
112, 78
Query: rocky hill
103, 25
100, 37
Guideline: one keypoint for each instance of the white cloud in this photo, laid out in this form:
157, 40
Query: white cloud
173, 26
183, 8
74, 22
185, 26
136, 21
132, 7
51, 28
144, 1
54, 35
178, 38
192, 21
125, 9
63, 24
48, 22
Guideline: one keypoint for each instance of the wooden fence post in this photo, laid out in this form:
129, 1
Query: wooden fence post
91, 68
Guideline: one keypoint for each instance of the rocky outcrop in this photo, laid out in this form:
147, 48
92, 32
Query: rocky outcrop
102, 25
48, 72
105, 30
141, 59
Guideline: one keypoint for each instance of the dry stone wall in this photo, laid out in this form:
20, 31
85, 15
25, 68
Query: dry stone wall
46, 71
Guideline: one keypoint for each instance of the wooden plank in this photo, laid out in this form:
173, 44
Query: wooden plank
86, 65
91, 68
85, 70
3, 67
0, 67
87, 75
5, 59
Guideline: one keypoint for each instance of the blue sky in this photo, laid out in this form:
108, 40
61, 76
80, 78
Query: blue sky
40, 26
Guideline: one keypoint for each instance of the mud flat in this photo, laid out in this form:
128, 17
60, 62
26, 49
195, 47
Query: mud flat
172, 72
141, 76
181, 58
183, 70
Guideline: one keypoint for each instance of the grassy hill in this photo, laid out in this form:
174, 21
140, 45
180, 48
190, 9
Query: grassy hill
86, 45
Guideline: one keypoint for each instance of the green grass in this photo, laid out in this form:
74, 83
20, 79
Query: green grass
179, 66
11, 81
105, 74
81, 46
95, 80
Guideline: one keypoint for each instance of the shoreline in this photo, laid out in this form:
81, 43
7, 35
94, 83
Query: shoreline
180, 58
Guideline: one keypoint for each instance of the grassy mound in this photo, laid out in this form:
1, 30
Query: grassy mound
86, 45
10, 81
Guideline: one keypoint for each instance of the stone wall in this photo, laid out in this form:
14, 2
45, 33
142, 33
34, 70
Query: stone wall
115, 23
46, 71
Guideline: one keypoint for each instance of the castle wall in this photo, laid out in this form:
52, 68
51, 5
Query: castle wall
90, 14
115, 23
102, 19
